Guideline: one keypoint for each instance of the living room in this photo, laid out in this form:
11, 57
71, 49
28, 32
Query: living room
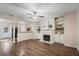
47, 26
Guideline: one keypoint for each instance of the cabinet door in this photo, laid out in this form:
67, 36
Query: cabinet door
59, 38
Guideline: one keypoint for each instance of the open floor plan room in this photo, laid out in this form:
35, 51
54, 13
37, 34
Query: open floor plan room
39, 29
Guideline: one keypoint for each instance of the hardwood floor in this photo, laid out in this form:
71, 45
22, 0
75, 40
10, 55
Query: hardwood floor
36, 48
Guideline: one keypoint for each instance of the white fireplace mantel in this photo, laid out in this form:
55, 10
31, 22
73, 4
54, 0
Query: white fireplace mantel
47, 32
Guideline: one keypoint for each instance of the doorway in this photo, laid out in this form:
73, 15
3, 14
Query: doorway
12, 33
16, 33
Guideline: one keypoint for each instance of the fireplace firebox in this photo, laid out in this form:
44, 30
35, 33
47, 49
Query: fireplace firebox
46, 37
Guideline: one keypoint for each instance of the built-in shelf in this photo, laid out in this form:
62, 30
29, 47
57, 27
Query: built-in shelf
59, 25
59, 20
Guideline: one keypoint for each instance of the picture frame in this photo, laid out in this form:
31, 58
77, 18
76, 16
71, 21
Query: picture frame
5, 29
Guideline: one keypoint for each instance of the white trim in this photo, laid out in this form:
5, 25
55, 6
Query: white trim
69, 45
78, 49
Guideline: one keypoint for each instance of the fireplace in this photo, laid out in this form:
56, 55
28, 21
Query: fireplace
46, 38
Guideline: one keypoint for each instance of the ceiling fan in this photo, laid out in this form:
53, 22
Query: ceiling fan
34, 15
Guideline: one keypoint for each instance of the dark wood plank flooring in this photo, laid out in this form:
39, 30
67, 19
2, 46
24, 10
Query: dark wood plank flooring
36, 48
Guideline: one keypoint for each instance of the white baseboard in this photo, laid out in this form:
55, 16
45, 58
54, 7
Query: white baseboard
78, 50
69, 45
72, 46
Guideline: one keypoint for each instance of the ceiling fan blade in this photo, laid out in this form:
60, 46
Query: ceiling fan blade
10, 14
34, 12
41, 16
29, 14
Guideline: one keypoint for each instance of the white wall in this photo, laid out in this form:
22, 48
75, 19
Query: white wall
70, 29
5, 23
77, 30
34, 29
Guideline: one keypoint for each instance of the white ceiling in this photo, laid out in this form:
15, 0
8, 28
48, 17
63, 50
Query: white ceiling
20, 10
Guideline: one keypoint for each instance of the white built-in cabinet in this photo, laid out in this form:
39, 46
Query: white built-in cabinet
59, 29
